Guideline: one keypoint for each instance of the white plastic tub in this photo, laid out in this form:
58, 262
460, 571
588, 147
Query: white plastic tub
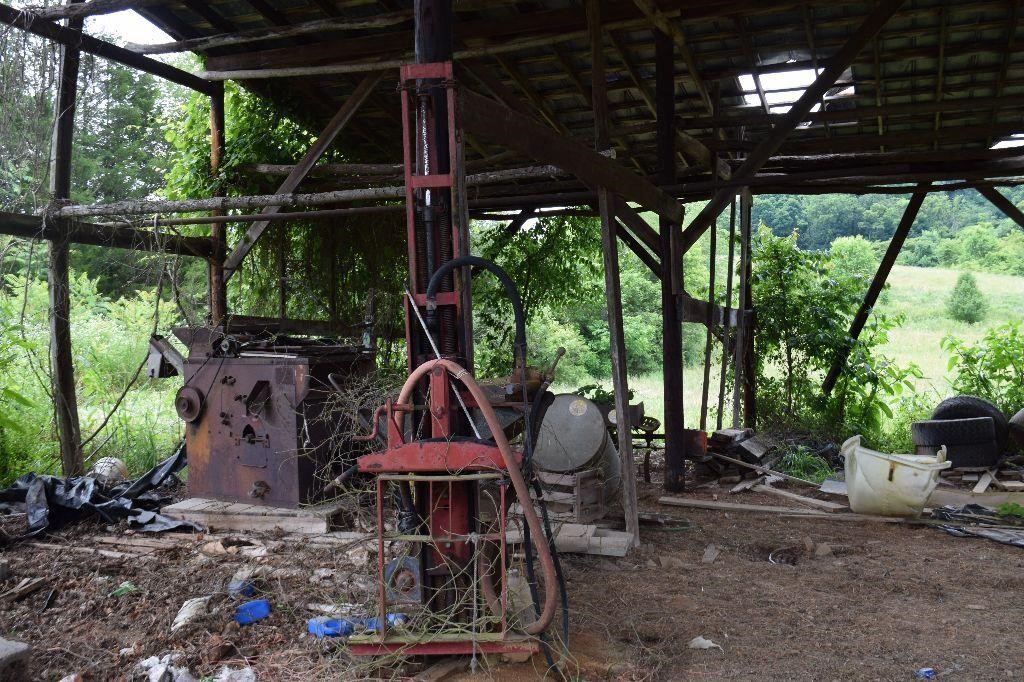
890, 485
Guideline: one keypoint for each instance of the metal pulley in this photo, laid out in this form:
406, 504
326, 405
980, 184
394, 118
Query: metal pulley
188, 403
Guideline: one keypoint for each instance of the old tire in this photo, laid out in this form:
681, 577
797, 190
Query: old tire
965, 455
1017, 429
967, 407
939, 432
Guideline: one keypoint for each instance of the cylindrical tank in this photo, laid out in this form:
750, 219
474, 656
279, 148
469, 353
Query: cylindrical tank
573, 437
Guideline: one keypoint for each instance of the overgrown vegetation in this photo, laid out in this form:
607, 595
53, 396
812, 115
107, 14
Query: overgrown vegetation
138, 137
992, 368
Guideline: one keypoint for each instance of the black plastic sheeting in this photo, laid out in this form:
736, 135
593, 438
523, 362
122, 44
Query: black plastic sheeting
980, 522
51, 501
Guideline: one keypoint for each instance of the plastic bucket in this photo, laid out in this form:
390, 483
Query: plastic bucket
890, 485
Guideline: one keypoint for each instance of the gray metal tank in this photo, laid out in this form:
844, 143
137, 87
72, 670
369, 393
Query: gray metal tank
573, 437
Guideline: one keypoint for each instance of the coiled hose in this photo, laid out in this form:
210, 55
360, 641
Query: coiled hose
516, 476
519, 358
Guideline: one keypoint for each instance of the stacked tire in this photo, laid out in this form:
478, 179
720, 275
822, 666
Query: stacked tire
975, 432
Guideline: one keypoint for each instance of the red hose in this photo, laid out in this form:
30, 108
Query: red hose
547, 564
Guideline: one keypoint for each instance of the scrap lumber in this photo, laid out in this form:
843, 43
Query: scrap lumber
801, 512
983, 483
747, 484
809, 501
23, 589
578, 538
764, 470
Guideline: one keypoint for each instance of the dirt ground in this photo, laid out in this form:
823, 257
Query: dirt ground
857, 601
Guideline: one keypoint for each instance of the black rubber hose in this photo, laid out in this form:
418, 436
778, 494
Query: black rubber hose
519, 355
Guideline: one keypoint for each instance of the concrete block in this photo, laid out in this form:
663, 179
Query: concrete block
13, 660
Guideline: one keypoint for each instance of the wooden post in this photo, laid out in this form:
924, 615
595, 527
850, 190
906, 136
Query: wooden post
218, 231
713, 249
728, 304
750, 325
743, 319
671, 271
861, 318
997, 199
61, 358
613, 290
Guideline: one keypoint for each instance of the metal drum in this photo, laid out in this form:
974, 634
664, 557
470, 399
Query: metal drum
573, 437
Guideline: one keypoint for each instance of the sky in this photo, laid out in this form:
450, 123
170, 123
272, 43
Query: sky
126, 27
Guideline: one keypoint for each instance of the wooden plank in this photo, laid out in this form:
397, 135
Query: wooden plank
983, 483
809, 501
875, 289
731, 506
796, 512
298, 174
763, 470
959, 497
493, 121
747, 484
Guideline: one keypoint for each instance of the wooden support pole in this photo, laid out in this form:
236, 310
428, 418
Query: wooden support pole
664, 93
298, 174
877, 284
218, 294
749, 318
743, 323
727, 324
65, 402
613, 289
997, 199
712, 261
811, 96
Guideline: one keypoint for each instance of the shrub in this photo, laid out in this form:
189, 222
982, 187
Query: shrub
966, 303
992, 368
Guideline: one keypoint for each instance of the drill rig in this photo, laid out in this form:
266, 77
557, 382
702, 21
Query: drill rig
445, 559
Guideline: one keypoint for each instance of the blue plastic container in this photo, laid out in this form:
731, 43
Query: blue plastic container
241, 588
343, 627
252, 611
330, 627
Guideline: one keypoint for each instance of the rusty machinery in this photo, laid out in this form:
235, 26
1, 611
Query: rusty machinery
261, 422
447, 451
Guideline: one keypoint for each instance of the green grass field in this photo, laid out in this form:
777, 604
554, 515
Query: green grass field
919, 294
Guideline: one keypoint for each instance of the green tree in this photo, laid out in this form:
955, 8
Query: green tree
966, 303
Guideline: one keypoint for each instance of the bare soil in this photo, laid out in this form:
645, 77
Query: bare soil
854, 601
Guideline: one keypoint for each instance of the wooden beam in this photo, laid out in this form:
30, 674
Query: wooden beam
491, 120
877, 284
209, 15
65, 36
112, 236
812, 95
80, 10
997, 199
65, 402
691, 149
664, 24
322, 144
612, 288
318, 27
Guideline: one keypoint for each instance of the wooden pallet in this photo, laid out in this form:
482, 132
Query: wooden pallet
238, 516
573, 498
